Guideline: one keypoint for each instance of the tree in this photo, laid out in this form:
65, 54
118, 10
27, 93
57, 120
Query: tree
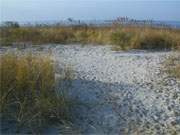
11, 24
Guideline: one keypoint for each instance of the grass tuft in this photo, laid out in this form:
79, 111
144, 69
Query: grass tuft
172, 66
28, 96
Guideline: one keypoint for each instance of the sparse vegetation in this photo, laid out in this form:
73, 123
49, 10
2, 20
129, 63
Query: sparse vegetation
28, 96
124, 37
173, 66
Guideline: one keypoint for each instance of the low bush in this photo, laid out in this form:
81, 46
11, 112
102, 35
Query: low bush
28, 95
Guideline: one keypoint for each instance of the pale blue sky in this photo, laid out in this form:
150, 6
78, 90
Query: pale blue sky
40, 10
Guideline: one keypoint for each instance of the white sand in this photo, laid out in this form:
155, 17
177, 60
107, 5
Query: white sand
126, 92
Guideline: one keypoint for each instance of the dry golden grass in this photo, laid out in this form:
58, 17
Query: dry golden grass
177, 71
28, 96
172, 66
128, 37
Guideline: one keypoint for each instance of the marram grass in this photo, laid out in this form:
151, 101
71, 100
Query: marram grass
172, 66
27, 88
128, 37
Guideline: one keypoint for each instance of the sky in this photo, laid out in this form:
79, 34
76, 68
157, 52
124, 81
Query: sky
54, 10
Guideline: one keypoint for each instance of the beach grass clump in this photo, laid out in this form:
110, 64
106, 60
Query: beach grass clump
177, 70
28, 96
56, 35
158, 40
146, 38
35, 35
122, 37
172, 66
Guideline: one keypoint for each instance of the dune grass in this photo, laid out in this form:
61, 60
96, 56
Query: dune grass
176, 71
126, 37
28, 96
172, 66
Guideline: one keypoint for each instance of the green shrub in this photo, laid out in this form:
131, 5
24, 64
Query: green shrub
27, 88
